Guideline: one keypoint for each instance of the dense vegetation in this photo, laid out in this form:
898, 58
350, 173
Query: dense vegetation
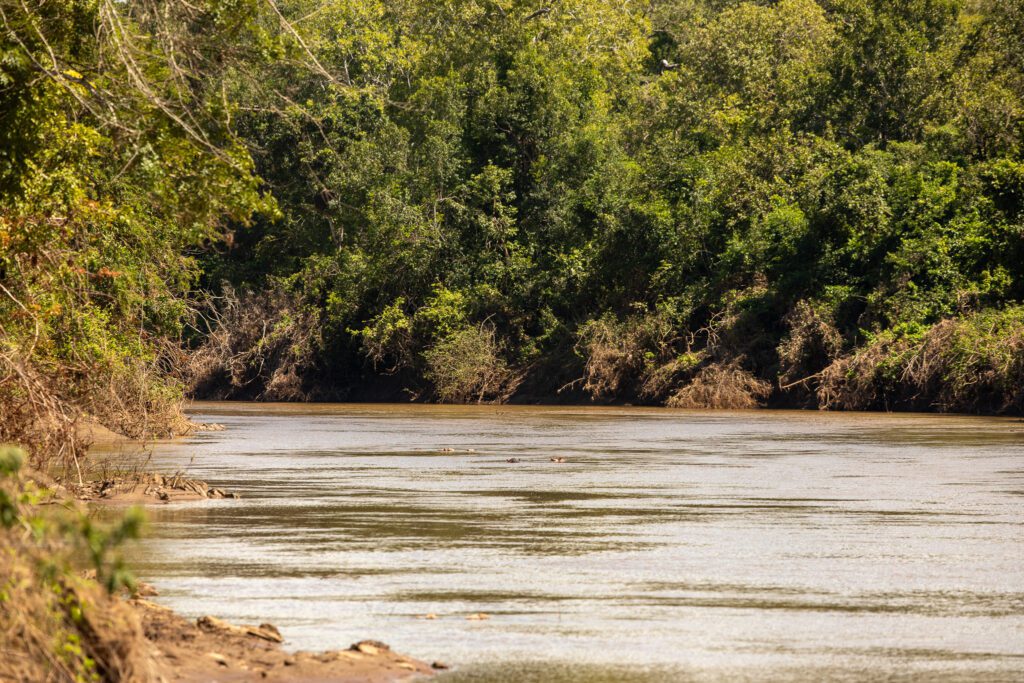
116, 163
699, 202
692, 202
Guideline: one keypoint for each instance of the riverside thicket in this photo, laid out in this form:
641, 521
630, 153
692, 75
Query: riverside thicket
691, 202
705, 203
695, 203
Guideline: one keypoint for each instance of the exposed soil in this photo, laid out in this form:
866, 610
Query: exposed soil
210, 649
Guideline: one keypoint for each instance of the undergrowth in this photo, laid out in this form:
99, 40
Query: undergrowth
56, 622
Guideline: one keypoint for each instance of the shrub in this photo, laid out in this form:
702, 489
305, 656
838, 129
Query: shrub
618, 353
722, 386
811, 345
259, 346
969, 364
56, 625
467, 366
387, 340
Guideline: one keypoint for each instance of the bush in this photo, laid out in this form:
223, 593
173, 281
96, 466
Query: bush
722, 386
969, 364
56, 625
619, 353
467, 367
258, 346
387, 340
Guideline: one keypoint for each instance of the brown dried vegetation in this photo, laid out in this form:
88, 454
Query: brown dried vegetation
812, 343
256, 346
970, 364
724, 386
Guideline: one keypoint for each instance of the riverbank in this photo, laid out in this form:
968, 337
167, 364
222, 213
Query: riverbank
211, 649
65, 613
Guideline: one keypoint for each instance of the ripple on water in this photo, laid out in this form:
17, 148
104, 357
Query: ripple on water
669, 545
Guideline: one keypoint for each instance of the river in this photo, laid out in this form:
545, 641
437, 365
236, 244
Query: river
669, 546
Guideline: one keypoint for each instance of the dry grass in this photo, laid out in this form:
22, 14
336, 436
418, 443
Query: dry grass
614, 357
722, 386
35, 414
44, 409
661, 380
645, 356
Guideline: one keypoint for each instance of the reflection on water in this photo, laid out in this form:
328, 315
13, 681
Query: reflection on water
669, 546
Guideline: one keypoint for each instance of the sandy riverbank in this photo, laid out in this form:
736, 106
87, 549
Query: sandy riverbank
210, 649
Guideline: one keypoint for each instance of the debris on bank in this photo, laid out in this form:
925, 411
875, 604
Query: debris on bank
147, 488
213, 649
205, 427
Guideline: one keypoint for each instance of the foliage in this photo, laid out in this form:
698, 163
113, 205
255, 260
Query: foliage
974, 364
776, 186
466, 366
55, 624
774, 183
116, 162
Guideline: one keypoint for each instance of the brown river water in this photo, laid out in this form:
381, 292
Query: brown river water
670, 546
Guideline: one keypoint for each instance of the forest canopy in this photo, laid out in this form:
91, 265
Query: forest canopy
699, 203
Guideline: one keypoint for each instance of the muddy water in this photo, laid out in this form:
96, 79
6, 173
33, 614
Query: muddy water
669, 545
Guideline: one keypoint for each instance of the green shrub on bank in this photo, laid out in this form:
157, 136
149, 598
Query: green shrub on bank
467, 366
969, 364
783, 186
54, 623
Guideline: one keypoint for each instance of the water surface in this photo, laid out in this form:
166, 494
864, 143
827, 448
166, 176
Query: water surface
670, 546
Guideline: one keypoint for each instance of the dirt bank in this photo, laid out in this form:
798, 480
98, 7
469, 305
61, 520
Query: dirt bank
209, 649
